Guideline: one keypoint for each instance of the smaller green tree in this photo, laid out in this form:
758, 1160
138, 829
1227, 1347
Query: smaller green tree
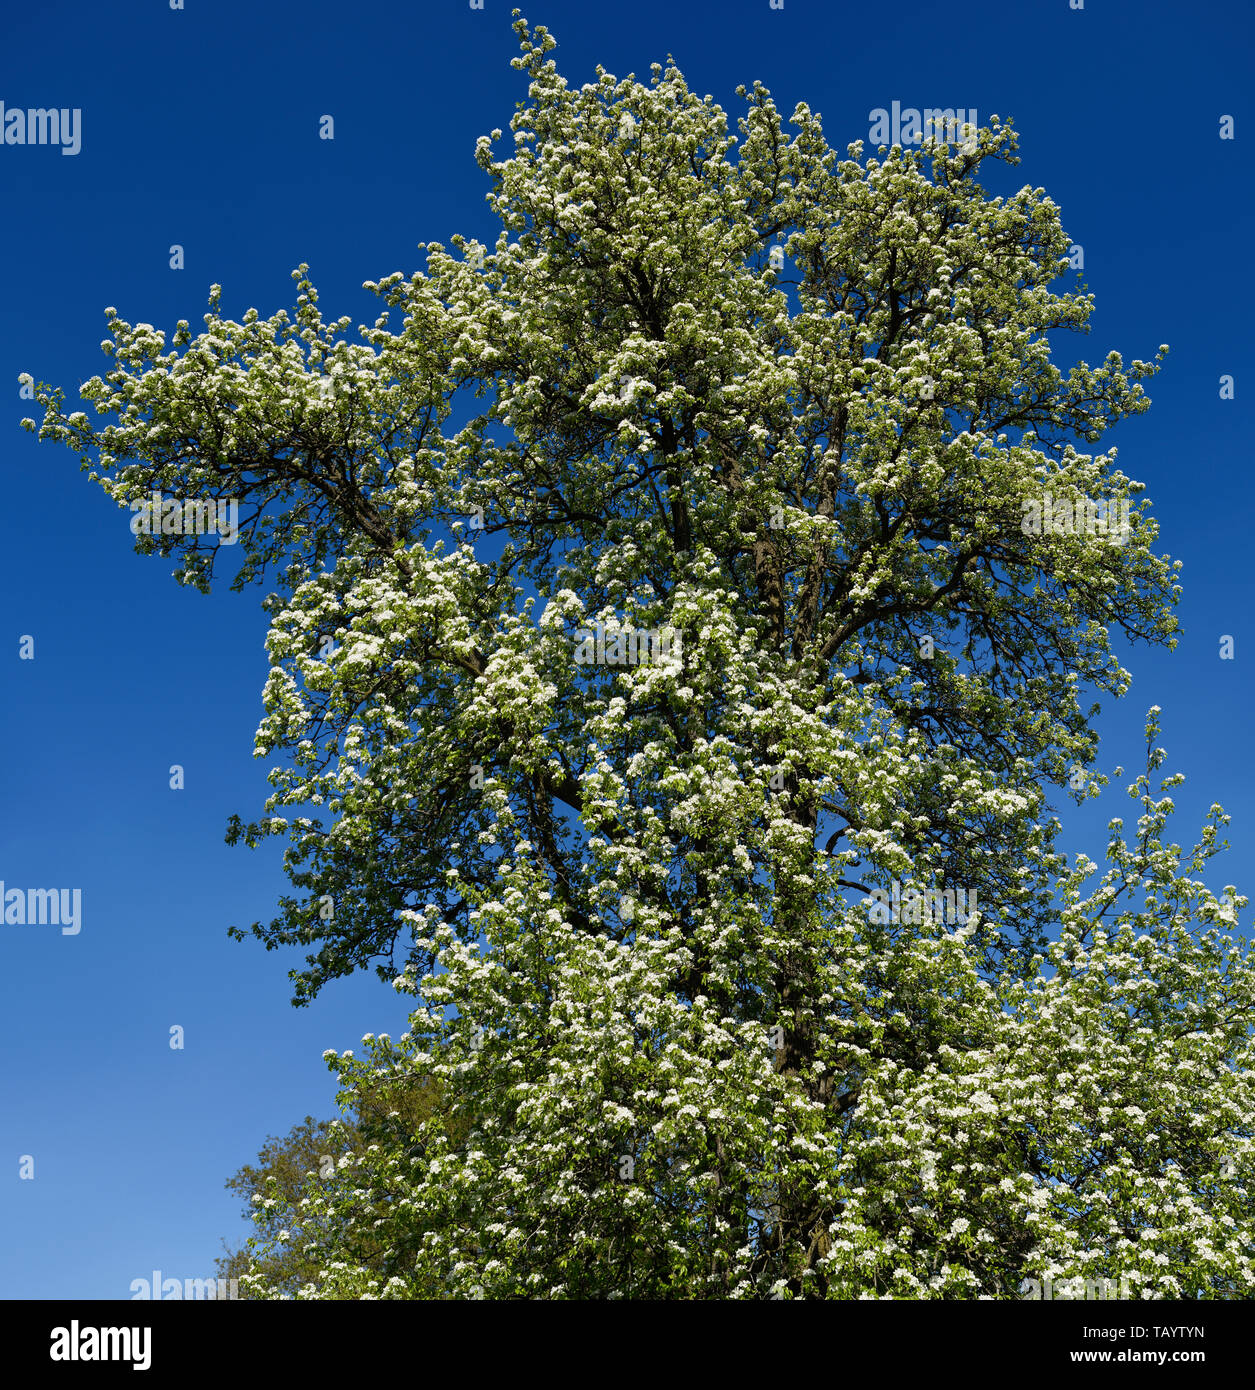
316, 1157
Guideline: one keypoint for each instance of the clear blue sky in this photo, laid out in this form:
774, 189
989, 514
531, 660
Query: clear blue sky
200, 127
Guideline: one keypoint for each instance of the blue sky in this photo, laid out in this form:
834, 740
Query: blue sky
200, 127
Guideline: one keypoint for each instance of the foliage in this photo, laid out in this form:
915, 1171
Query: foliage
316, 1157
792, 409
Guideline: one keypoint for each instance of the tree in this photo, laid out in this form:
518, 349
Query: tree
308, 1151
766, 579
318, 1157
1087, 1129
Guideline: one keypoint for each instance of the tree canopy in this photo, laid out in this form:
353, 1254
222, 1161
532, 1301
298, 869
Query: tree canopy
784, 412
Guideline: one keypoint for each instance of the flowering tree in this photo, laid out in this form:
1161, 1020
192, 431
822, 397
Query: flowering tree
654, 717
